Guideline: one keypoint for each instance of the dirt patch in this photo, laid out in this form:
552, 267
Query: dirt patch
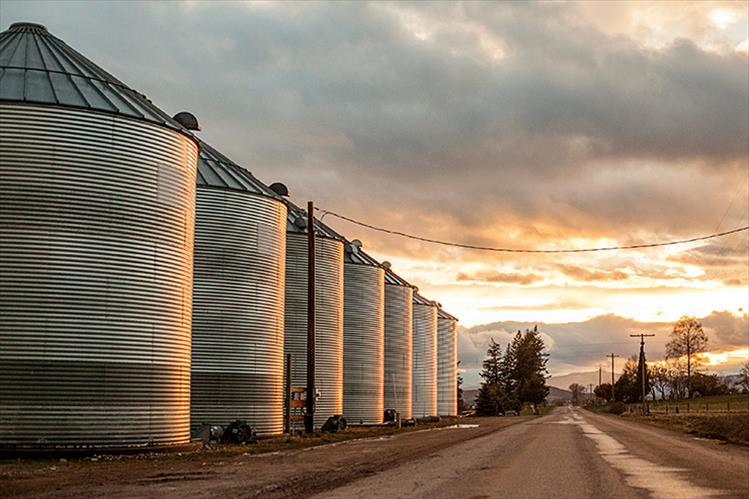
732, 428
267, 470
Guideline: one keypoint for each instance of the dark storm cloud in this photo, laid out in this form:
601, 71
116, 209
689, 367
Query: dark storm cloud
344, 104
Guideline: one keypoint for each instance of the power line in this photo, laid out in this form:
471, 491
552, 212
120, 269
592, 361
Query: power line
515, 250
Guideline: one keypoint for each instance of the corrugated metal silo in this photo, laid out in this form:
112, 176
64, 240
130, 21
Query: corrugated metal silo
328, 312
447, 364
96, 254
238, 298
398, 344
424, 388
363, 337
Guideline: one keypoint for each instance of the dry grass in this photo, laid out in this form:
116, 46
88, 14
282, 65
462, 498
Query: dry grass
732, 428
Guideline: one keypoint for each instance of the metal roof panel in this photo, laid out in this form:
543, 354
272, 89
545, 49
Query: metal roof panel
37, 67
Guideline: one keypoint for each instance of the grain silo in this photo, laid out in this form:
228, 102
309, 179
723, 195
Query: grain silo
447, 364
363, 337
398, 344
328, 312
238, 298
424, 388
96, 254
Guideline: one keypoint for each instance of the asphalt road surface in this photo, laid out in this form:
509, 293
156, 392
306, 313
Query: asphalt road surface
570, 453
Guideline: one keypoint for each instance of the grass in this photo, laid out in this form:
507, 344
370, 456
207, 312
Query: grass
542, 410
727, 427
716, 404
724, 417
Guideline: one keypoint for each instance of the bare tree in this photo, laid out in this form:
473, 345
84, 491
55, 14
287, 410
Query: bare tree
687, 340
659, 377
578, 392
745, 377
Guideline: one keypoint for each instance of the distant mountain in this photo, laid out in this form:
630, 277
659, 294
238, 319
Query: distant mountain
582, 378
469, 395
555, 395
558, 395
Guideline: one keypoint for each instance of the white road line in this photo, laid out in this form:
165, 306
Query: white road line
662, 482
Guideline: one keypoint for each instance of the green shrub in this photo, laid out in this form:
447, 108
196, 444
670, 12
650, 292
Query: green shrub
617, 408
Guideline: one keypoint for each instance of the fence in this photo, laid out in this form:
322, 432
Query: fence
695, 406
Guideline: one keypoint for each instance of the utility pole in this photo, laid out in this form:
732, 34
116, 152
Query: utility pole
309, 411
613, 393
643, 370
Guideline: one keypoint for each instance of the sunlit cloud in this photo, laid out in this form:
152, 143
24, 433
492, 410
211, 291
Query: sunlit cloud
712, 359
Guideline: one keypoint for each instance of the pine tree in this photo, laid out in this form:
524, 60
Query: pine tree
530, 368
491, 368
492, 400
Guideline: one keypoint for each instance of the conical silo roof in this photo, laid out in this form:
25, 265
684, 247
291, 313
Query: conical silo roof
37, 67
323, 230
216, 170
420, 300
444, 315
392, 278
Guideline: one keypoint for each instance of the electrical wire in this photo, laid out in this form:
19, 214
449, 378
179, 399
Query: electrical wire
518, 250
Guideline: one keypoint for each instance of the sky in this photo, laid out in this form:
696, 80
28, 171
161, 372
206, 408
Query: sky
524, 125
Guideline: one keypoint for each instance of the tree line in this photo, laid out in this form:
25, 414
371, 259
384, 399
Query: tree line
515, 377
678, 376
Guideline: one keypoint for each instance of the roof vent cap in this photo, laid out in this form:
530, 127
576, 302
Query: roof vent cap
385, 265
300, 222
280, 189
354, 246
187, 120
28, 25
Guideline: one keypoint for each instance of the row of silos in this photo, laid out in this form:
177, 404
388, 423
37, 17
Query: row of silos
114, 330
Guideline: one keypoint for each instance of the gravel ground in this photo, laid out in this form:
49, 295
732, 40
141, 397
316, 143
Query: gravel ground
235, 471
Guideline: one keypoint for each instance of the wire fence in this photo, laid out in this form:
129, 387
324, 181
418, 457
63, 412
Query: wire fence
695, 406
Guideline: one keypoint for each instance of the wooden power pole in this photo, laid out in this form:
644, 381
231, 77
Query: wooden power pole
613, 393
643, 370
310, 402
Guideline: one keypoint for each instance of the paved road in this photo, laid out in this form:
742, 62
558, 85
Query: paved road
568, 454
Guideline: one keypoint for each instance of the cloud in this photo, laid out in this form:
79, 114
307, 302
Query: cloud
500, 277
322, 96
587, 275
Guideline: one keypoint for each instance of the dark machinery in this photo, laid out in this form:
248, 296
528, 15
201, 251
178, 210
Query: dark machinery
239, 432
334, 424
